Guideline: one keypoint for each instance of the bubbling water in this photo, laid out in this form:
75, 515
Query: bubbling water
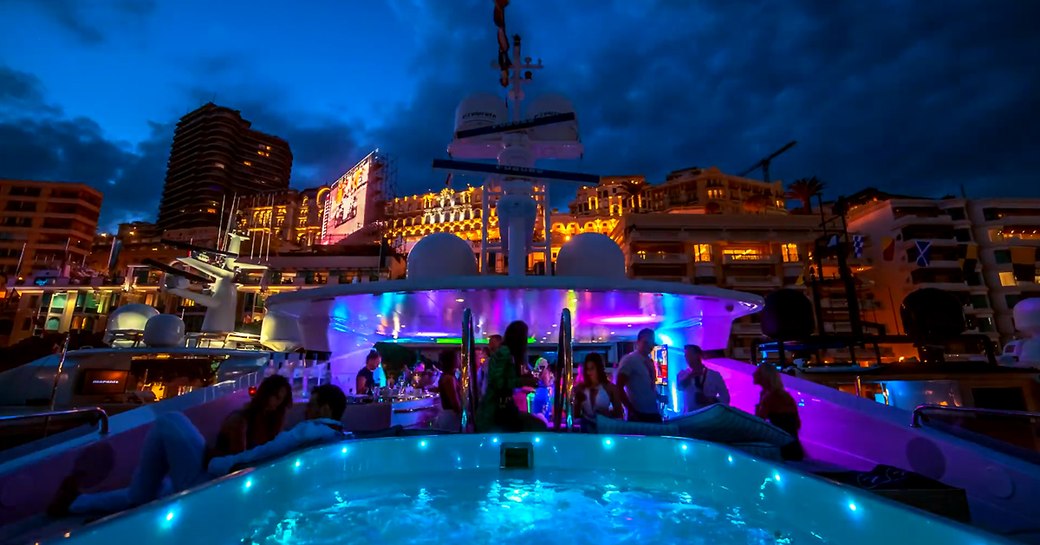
527, 507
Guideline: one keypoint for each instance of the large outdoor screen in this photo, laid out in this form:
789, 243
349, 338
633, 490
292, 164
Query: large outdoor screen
354, 200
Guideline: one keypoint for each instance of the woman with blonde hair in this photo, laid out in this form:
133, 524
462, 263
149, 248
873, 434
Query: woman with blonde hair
777, 406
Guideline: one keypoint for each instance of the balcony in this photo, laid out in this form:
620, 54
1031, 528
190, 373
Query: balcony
662, 258
753, 282
750, 259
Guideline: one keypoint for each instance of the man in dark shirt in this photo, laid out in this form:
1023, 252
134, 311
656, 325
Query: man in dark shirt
366, 381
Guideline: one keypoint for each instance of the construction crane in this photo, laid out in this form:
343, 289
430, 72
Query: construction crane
763, 163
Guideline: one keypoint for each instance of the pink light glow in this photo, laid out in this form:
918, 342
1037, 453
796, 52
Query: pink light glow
634, 320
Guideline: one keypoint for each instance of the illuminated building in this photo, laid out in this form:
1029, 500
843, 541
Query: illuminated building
45, 225
756, 253
281, 221
215, 156
982, 250
459, 211
713, 191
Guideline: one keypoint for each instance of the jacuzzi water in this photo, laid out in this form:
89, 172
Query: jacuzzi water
520, 507
580, 489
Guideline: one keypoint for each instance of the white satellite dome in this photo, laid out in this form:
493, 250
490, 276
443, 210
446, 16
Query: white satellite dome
130, 317
546, 105
439, 255
591, 254
480, 110
1027, 316
164, 331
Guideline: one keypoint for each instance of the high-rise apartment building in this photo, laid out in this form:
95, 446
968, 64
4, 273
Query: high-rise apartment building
984, 251
45, 225
215, 156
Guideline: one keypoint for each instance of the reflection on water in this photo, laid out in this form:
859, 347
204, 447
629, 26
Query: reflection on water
519, 507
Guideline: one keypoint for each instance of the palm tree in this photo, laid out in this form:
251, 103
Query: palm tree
803, 190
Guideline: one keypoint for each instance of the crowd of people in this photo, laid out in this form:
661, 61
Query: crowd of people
175, 455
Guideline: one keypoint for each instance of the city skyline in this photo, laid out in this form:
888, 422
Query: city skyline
905, 99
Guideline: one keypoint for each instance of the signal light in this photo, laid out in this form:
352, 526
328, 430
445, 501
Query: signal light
252, 391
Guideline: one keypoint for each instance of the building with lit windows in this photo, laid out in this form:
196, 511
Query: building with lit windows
756, 253
216, 156
282, 221
459, 212
1008, 235
715, 192
982, 250
45, 225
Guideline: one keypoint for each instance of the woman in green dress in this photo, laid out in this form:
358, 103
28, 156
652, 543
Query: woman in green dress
498, 410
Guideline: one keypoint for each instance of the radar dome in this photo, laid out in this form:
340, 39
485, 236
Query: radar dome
280, 332
439, 255
131, 317
932, 315
164, 331
1027, 316
787, 316
480, 110
547, 105
591, 254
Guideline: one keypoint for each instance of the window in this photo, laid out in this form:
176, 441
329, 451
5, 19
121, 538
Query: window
956, 214
1007, 278
744, 254
702, 253
962, 235
1002, 256
247, 163
789, 252
979, 301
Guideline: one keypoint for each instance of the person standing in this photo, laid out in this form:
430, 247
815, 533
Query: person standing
366, 378
779, 408
595, 395
700, 386
636, 377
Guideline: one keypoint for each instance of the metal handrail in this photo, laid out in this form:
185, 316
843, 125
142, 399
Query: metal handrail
102, 416
469, 371
564, 377
920, 409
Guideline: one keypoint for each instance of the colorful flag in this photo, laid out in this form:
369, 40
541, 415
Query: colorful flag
504, 64
924, 252
970, 259
857, 245
1023, 255
888, 248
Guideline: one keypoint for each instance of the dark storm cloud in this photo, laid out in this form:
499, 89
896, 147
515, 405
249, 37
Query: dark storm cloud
919, 97
41, 143
86, 23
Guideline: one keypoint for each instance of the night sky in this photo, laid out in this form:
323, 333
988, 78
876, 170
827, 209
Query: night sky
911, 96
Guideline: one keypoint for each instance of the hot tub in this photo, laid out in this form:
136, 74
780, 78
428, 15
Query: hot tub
576, 489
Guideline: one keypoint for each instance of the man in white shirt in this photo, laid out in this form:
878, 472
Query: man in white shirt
173, 457
636, 378
700, 386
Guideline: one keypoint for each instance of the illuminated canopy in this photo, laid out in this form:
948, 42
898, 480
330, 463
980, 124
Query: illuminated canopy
347, 317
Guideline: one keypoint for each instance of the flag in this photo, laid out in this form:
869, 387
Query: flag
1023, 255
970, 259
924, 252
857, 245
504, 64
888, 248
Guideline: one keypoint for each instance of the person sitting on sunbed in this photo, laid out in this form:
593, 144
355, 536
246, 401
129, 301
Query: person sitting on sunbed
173, 457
